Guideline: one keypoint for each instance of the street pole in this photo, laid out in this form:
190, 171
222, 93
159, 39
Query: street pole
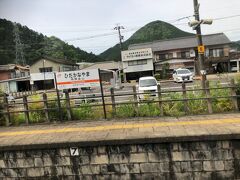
201, 68
118, 28
44, 76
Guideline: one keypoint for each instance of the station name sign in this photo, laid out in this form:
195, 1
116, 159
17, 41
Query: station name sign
137, 54
78, 79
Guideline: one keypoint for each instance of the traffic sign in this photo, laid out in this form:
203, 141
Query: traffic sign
201, 49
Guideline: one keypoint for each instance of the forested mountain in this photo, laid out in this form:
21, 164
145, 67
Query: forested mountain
236, 44
36, 45
156, 30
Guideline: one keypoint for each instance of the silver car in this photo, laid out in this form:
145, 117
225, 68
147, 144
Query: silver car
182, 75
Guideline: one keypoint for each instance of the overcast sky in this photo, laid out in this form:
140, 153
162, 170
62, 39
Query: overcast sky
89, 24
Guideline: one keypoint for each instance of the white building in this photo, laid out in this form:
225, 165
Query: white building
137, 63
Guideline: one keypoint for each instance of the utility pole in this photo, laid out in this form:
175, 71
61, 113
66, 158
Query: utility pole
19, 56
118, 28
202, 70
196, 25
200, 43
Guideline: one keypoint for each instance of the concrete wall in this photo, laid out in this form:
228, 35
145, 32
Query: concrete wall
56, 67
39, 64
187, 160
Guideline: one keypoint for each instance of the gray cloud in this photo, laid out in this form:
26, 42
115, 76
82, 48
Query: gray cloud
84, 18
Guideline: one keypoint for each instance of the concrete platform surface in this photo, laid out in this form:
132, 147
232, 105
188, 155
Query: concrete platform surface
128, 131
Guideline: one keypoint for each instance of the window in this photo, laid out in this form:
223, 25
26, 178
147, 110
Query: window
185, 54
178, 54
46, 69
13, 75
138, 62
22, 74
147, 82
216, 52
170, 55
162, 56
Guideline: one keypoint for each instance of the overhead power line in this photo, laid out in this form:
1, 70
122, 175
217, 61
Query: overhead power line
215, 19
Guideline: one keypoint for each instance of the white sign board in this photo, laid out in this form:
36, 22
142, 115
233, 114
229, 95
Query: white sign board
74, 151
137, 54
77, 79
41, 76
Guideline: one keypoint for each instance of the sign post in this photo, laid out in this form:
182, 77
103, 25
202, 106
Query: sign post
103, 101
58, 98
78, 79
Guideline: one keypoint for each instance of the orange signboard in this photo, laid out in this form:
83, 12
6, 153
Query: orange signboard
201, 49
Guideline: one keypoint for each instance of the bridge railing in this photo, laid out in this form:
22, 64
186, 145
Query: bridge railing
61, 105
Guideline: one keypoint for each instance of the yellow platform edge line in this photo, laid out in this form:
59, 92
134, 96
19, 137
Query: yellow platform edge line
124, 126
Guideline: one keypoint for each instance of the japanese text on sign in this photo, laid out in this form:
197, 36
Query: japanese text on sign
77, 79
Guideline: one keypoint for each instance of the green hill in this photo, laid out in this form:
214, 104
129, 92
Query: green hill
36, 45
156, 30
236, 45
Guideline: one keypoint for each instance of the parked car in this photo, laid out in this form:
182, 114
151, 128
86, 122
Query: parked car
147, 85
182, 75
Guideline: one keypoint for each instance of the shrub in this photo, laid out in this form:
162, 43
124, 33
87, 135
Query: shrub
124, 111
83, 112
158, 77
196, 106
173, 108
18, 119
221, 104
1, 108
54, 112
148, 109
238, 90
36, 116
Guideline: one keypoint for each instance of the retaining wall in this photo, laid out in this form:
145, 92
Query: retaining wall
174, 160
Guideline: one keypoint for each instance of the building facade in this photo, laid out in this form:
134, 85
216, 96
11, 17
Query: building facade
42, 71
107, 69
182, 52
14, 78
137, 63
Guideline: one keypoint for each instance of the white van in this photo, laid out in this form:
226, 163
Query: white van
147, 85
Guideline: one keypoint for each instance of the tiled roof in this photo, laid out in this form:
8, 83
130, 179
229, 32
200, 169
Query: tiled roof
61, 61
8, 67
184, 42
108, 65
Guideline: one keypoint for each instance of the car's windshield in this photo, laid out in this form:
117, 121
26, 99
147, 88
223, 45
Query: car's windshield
183, 71
147, 82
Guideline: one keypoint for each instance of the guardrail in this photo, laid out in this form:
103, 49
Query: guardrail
110, 100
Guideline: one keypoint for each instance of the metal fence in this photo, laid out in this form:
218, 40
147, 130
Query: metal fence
67, 103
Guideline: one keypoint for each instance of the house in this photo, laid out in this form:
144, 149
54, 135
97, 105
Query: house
42, 71
14, 78
182, 52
